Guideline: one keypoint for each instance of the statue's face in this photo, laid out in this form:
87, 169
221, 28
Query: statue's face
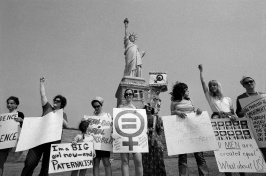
132, 39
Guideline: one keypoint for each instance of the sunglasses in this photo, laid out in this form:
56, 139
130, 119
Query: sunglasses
128, 94
57, 101
96, 106
248, 82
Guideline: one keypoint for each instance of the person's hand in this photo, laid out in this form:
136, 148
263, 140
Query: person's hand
182, 115
244, 111
200, 68
198, 111
232, 117
42, 79
223, 115
74, 142
18, 119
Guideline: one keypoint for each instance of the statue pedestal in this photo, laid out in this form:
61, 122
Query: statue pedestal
137, 84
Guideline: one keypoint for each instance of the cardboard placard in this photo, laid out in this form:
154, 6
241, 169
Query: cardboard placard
238, 150
8, 130
189, 135
40, 130
101, 130
130, 131
67, 157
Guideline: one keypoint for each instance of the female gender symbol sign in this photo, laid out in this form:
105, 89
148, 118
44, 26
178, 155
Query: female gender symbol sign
136, 115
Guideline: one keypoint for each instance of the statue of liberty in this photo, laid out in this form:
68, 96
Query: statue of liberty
132, 54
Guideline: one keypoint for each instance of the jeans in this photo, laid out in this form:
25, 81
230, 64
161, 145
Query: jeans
183, 168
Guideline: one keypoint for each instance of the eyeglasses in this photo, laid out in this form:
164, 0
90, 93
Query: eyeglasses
57, 101
248, 82
96, 106
128, 94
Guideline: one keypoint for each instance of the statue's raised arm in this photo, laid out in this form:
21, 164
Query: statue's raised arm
132, 54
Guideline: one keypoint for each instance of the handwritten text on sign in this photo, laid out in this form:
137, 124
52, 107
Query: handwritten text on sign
67, 157
238, 151
189, 135
101, 128
40, 130
130, 127
256, 111
8, 130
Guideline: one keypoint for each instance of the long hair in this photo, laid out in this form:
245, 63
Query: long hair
178, 91
218, 94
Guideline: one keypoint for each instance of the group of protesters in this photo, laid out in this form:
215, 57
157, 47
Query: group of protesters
147, 164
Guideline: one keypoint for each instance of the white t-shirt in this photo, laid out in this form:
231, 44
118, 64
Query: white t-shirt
225, 104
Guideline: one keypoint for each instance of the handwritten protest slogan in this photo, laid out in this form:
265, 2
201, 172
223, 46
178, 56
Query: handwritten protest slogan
67, 157
238, 151
101, 128
8, 130
40, 130
256, 111
130, 131
189, 135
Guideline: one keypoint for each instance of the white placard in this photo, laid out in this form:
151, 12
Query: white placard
39, 130
67, 157
130, 131
8, 130
256, 111
189, 135
158, 78
238, 150
101, 129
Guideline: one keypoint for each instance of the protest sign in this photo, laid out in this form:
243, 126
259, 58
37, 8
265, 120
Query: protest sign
8, 130
130, 131
256, 111
158, 78
191, 134
67, 157
101, 130
40, 130
238, 151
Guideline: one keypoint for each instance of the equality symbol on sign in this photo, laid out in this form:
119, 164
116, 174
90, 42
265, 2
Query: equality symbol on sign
127, 124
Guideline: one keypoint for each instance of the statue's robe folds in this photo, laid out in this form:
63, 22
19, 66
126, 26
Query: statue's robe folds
132, 58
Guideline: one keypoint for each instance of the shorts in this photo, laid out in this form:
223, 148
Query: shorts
102, 154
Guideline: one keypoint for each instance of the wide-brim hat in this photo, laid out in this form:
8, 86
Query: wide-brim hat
97, 99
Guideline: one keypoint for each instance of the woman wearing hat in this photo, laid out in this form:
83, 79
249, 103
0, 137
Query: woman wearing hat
97, 104
250, 85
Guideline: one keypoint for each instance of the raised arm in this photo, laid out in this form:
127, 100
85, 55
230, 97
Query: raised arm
42, 92
126, 25
204, 86
126, 33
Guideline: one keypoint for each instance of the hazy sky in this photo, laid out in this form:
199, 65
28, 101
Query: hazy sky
78, 46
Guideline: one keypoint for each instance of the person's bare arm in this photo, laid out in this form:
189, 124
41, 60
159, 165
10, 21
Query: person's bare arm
204, 86
42, 92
